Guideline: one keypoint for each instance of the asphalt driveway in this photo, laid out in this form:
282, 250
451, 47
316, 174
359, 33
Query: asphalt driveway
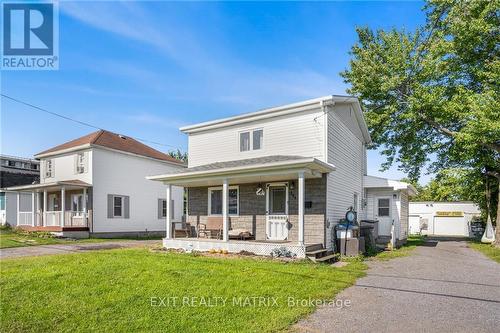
41, 250
442, 287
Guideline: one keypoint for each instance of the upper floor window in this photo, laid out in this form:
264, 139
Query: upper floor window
80, 163
255, 143
49, 169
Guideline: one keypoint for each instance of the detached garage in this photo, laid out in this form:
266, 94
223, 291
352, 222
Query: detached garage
442, 218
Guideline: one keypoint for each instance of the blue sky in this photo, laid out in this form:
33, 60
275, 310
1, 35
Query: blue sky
146, 68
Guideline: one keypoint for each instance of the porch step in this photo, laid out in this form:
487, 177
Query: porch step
325, 258
314, 247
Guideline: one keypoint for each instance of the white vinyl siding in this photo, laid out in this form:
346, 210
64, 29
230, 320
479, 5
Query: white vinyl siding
64, 167
345, 151
296, 134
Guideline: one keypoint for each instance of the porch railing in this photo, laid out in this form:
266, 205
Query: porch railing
24, 218
75, 219
52, 218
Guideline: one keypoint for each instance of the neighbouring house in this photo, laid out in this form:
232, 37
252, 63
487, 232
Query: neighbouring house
15, 171
443, 218
96, 185
18, 171
279, 177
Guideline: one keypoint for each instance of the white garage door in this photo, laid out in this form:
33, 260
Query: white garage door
414, 224
450, 226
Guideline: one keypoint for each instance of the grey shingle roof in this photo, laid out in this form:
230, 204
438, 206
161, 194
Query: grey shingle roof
240, 163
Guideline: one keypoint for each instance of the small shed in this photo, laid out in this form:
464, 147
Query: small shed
386, 201
442, 218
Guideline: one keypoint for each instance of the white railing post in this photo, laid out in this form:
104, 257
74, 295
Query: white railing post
225, 201
168, 217
33, 208
44, 214
301, 207
18, 208
63, 205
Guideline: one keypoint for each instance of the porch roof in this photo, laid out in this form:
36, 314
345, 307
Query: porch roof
379, 182
68, 184
267, 168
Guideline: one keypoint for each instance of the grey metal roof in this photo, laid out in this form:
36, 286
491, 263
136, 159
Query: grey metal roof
240, 163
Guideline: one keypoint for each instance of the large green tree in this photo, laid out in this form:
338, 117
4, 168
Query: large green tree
431, 96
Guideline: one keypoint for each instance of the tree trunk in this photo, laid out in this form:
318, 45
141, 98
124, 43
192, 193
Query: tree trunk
497, 233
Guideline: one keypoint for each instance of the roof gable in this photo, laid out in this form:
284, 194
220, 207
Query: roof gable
106, 139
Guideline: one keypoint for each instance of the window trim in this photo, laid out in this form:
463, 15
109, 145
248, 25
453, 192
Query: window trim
122, 206
250, 135
82, 163
47, 175
233, 187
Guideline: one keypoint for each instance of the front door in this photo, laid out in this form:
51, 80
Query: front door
383, 213
277, 211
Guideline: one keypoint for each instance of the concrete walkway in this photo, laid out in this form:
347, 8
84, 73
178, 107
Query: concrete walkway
442, 287
41, 250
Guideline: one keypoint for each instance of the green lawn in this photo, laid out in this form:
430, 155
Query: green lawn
488, 249
405, 250
11, 238
112, 291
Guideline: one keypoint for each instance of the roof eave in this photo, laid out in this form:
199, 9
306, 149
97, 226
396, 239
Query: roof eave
297, 164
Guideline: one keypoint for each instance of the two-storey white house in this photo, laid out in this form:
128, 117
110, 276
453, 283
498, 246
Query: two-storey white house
96, 185
283, 176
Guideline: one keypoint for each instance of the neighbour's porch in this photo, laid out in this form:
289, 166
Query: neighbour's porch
253, 205
54, 207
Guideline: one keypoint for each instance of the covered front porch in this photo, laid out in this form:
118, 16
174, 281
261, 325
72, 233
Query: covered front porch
255, 205
61, 207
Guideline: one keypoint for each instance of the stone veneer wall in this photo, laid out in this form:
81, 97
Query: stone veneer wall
253, 207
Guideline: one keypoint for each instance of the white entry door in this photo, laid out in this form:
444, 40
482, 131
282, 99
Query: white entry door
277, 211
383, 213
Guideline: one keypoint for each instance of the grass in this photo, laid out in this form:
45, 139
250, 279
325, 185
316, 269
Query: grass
112, 290
12, 238
405, 250
489, 250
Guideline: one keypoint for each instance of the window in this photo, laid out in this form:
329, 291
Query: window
164, 208
80, 163
117, 206
215, 201
245, 141
257, 140
384, 207
77, 202
258, 136
355, 205
49, 169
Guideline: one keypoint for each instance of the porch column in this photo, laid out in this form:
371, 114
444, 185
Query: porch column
44, 214
33, 208
63, 205
84, 202
169, 214
301, 207
225, 206
18, 207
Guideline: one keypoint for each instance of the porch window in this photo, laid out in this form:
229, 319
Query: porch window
215, 201
77, 202
384, 207
117, 206
49, 169
245, 141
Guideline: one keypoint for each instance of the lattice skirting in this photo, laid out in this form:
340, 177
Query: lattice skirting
263, 249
